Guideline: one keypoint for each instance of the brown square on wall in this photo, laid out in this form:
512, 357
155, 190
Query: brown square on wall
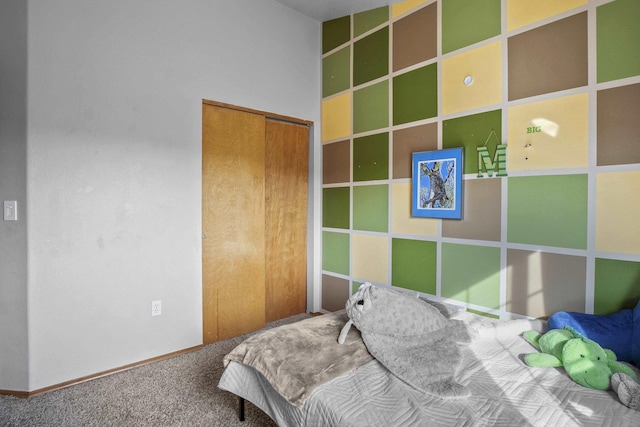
408, 141
549, 58
335, 293
539, 283
415, 37
480, 211
336, 162
619, 125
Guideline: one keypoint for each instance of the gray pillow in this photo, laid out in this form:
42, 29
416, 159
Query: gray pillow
446, 309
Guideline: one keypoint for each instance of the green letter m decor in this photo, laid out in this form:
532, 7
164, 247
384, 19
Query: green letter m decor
499, 161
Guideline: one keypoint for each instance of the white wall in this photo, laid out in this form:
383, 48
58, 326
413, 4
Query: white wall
13, 180
114, 163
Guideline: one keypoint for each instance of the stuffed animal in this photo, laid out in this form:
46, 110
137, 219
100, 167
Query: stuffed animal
619, 332
627, 389
585, 361
410, 337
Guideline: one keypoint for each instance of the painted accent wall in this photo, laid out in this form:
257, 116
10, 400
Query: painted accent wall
101, 132
558, 83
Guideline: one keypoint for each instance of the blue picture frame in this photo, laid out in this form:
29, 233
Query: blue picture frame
436, 184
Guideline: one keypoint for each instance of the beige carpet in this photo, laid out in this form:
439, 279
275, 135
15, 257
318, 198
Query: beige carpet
181, 391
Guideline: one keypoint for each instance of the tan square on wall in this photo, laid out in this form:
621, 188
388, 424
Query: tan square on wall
415, 37
336, 162
411, 140
549, 58
618, 125
539, 283
335, 292
481, 209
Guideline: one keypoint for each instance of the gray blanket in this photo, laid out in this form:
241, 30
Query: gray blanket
299, 357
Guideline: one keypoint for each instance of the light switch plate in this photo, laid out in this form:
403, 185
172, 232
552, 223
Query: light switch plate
10, 210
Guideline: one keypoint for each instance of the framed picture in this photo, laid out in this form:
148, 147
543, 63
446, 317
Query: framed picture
436, 184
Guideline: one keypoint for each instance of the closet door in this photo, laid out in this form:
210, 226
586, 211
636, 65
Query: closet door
233, 248
286, 177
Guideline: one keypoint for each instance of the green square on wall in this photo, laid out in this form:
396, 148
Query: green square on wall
482, 313
335, 252
336, 72
415, 95
369, 19
479, 281
371, 57
355, 286
472, 132
335, 33
616, 285
465, 22
335, 207
371, 208
413, 265
371, 157
618, 40
548, 210
371, 107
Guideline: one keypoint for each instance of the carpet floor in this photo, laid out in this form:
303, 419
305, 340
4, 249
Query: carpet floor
180, 391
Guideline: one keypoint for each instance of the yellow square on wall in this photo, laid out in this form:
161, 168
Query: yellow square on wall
549, 134
472, 79
336, 117
617, 207
524, 12
370, 258
405, 6
401, 220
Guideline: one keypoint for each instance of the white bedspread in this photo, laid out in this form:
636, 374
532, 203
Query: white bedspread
504, 392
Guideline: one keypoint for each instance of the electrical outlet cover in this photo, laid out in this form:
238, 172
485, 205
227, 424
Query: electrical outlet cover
156, 308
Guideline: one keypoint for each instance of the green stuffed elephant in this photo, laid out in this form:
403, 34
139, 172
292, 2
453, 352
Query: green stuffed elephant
585, 361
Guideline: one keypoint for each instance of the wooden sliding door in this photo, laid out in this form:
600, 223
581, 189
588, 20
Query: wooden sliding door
233, 222
254, 219
286, 184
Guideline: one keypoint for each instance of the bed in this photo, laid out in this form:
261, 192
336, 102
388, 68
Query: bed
300, 376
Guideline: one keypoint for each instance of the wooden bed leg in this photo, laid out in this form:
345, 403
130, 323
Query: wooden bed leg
241, 414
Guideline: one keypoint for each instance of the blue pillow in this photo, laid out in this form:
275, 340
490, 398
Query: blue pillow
619, 332
635, 337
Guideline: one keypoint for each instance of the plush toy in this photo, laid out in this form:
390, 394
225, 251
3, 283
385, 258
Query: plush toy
627, 389
585, 361
410, 337
619, 332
